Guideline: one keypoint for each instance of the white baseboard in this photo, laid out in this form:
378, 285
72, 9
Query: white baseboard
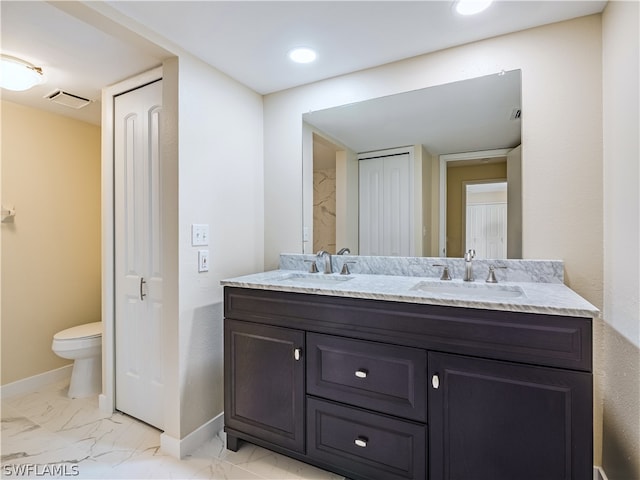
181, 448
598, 474
32, 384
105, 404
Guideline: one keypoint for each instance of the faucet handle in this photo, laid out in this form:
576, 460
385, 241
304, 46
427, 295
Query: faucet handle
445, 271
345, 268
491, 278
313, 268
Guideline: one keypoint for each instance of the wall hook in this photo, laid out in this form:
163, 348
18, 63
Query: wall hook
8, 213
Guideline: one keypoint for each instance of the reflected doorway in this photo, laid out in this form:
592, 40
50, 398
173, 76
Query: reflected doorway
489, 166
459, 175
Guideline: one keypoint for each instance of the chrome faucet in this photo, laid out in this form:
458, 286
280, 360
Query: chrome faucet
468, 266
344, 251
324, 256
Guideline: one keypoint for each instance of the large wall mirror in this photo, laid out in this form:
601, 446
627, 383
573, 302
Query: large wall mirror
431, 172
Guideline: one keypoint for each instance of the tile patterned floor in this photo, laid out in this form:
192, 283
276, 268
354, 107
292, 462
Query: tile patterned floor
47, 435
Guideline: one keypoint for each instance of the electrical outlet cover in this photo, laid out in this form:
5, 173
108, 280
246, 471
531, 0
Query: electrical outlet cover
203, 260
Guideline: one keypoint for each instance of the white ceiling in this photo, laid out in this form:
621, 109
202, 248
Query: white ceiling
249, 40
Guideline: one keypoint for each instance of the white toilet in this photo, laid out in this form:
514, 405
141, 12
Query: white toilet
83, 344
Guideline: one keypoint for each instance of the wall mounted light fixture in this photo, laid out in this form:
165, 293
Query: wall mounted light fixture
18, 75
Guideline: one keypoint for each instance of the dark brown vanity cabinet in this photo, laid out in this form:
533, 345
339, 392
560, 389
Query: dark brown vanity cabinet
389, 390
264, 383
497, 420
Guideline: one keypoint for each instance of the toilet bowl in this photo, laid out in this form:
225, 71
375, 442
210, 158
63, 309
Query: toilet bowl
83, 345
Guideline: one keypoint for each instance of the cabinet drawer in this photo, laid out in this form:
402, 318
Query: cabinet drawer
380, 377
365, 444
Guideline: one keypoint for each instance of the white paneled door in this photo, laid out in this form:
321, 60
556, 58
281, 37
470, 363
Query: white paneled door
138, 260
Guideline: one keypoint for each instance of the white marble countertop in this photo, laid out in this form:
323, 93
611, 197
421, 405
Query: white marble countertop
547, 298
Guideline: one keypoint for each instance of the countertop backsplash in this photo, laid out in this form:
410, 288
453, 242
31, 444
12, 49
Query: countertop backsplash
534, 271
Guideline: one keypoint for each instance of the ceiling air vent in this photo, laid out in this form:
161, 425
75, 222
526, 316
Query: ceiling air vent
68, 99
515, 115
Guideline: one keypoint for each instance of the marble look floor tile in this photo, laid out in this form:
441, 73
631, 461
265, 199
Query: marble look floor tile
23, 441
271, 465
46, 428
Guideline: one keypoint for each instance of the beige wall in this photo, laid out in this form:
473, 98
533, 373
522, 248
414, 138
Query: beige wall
51, 251
620, 375
456, 176
561, 68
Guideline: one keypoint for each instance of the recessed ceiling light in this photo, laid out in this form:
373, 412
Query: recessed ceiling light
471, 7
302, 55
19, 75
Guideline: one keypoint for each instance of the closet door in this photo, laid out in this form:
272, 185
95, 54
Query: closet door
138, 247
386, 200
371, 215
398, 227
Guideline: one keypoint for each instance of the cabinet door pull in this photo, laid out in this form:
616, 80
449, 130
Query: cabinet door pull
435, 381
297, 353
361, 373
361, 442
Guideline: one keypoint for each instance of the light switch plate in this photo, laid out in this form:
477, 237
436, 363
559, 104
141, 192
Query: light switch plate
199, 234
203, 261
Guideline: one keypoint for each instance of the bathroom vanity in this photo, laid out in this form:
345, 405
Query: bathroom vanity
373, 378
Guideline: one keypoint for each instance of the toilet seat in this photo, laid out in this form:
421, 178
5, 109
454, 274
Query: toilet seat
88, 330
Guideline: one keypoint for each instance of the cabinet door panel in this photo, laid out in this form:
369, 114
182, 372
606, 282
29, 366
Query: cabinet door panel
264, 394
501, 421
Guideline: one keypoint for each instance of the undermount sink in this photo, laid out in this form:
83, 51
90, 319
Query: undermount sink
311, 279
485, 291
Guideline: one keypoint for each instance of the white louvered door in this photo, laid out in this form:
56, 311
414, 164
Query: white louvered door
386, 199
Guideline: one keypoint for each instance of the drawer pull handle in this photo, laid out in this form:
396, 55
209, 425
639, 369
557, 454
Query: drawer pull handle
361, 442
297, 353
435, 381
361, 373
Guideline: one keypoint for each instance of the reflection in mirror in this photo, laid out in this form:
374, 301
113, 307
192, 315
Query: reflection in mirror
486, 218
475, 220
324, 194
448, 131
